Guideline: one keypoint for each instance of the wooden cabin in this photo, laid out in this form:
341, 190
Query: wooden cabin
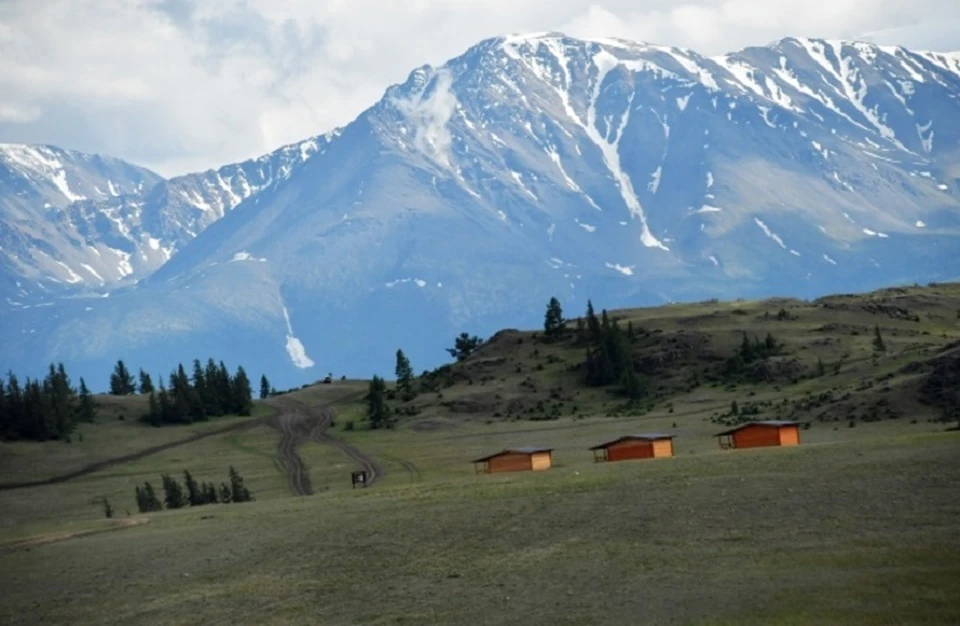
759, 434
639, 446
515, 460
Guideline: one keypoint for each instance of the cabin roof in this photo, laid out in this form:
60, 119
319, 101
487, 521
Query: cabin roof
523, 450
636, 436
770, 423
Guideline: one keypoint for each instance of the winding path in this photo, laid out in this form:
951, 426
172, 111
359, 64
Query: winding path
299, 422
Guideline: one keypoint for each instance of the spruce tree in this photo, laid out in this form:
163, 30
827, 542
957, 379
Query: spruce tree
226, 496
264, 387
121, 381
404, 373
172, 492
376, 406
242, 394
194, 494
87, 410
553, 322
210, 495
146, 383
593, 324
238, 493
152, 502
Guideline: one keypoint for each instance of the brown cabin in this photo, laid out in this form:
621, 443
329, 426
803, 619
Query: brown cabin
759, 434
515, 460
641, 446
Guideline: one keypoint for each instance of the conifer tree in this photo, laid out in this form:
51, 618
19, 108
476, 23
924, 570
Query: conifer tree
146, 383
226, 496
593, 324
376, 406
210, 495
238, 493
404, 373
264, 387
172, 492
242, 394
121, 381
87, 410
553, 322
194, 495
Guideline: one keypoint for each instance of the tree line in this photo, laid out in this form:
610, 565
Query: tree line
190, 493
209, 391
43, 410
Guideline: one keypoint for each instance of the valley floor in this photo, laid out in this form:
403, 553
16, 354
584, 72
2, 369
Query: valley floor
855, 526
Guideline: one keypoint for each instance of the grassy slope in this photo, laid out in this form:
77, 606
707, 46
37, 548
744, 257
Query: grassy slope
516, 373
858, 525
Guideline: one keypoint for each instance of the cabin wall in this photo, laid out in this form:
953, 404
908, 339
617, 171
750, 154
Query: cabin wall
541, 461
790, 436
630, 450
757, 436
510, 463
663, 447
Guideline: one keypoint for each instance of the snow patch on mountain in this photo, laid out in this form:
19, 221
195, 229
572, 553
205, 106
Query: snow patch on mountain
295, 350
623, 269
769, 233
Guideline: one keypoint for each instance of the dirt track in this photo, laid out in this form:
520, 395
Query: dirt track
298, 422
99, 465
40, 540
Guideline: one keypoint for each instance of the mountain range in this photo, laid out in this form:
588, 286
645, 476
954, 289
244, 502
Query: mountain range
530, 166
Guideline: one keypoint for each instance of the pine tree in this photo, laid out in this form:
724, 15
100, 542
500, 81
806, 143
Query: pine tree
194, 495
593, 324
141, 501
87, 410
746, 350
553, 322
376, 406
821, 368
210, 495
146, 383
172, 492
226, 497
878, 343
404, 374
632, 385
121, 381
734, 408
242, 394
150, 498
238, 493
264, 387
107, 509
464, 345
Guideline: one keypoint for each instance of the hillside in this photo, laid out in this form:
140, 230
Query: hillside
542, 165
826, 369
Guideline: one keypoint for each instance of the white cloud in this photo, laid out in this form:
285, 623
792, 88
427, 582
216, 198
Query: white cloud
179, 85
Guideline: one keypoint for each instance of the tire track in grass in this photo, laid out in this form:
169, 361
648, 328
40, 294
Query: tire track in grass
136, 456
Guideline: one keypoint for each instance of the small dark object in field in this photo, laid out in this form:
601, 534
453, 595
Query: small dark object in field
206, 517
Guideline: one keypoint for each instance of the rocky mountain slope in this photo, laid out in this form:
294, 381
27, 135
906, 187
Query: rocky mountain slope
544, 165
75, 222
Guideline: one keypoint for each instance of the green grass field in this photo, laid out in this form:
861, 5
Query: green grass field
858, 525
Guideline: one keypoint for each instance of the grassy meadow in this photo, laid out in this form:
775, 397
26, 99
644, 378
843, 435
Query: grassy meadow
857, 525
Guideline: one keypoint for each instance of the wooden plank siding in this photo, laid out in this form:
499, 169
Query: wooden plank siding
510, 463
541, 461
789, 435
639, 449
755, 436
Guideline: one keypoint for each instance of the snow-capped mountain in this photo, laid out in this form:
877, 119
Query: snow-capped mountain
541, 165
75, 222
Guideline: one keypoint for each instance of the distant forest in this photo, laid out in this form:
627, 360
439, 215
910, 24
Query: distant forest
49, 409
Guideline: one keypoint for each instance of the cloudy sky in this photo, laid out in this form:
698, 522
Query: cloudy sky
183, 85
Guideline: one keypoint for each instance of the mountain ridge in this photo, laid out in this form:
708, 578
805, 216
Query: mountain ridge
523, 169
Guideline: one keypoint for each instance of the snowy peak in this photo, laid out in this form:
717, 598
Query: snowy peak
64, 176
116, 223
